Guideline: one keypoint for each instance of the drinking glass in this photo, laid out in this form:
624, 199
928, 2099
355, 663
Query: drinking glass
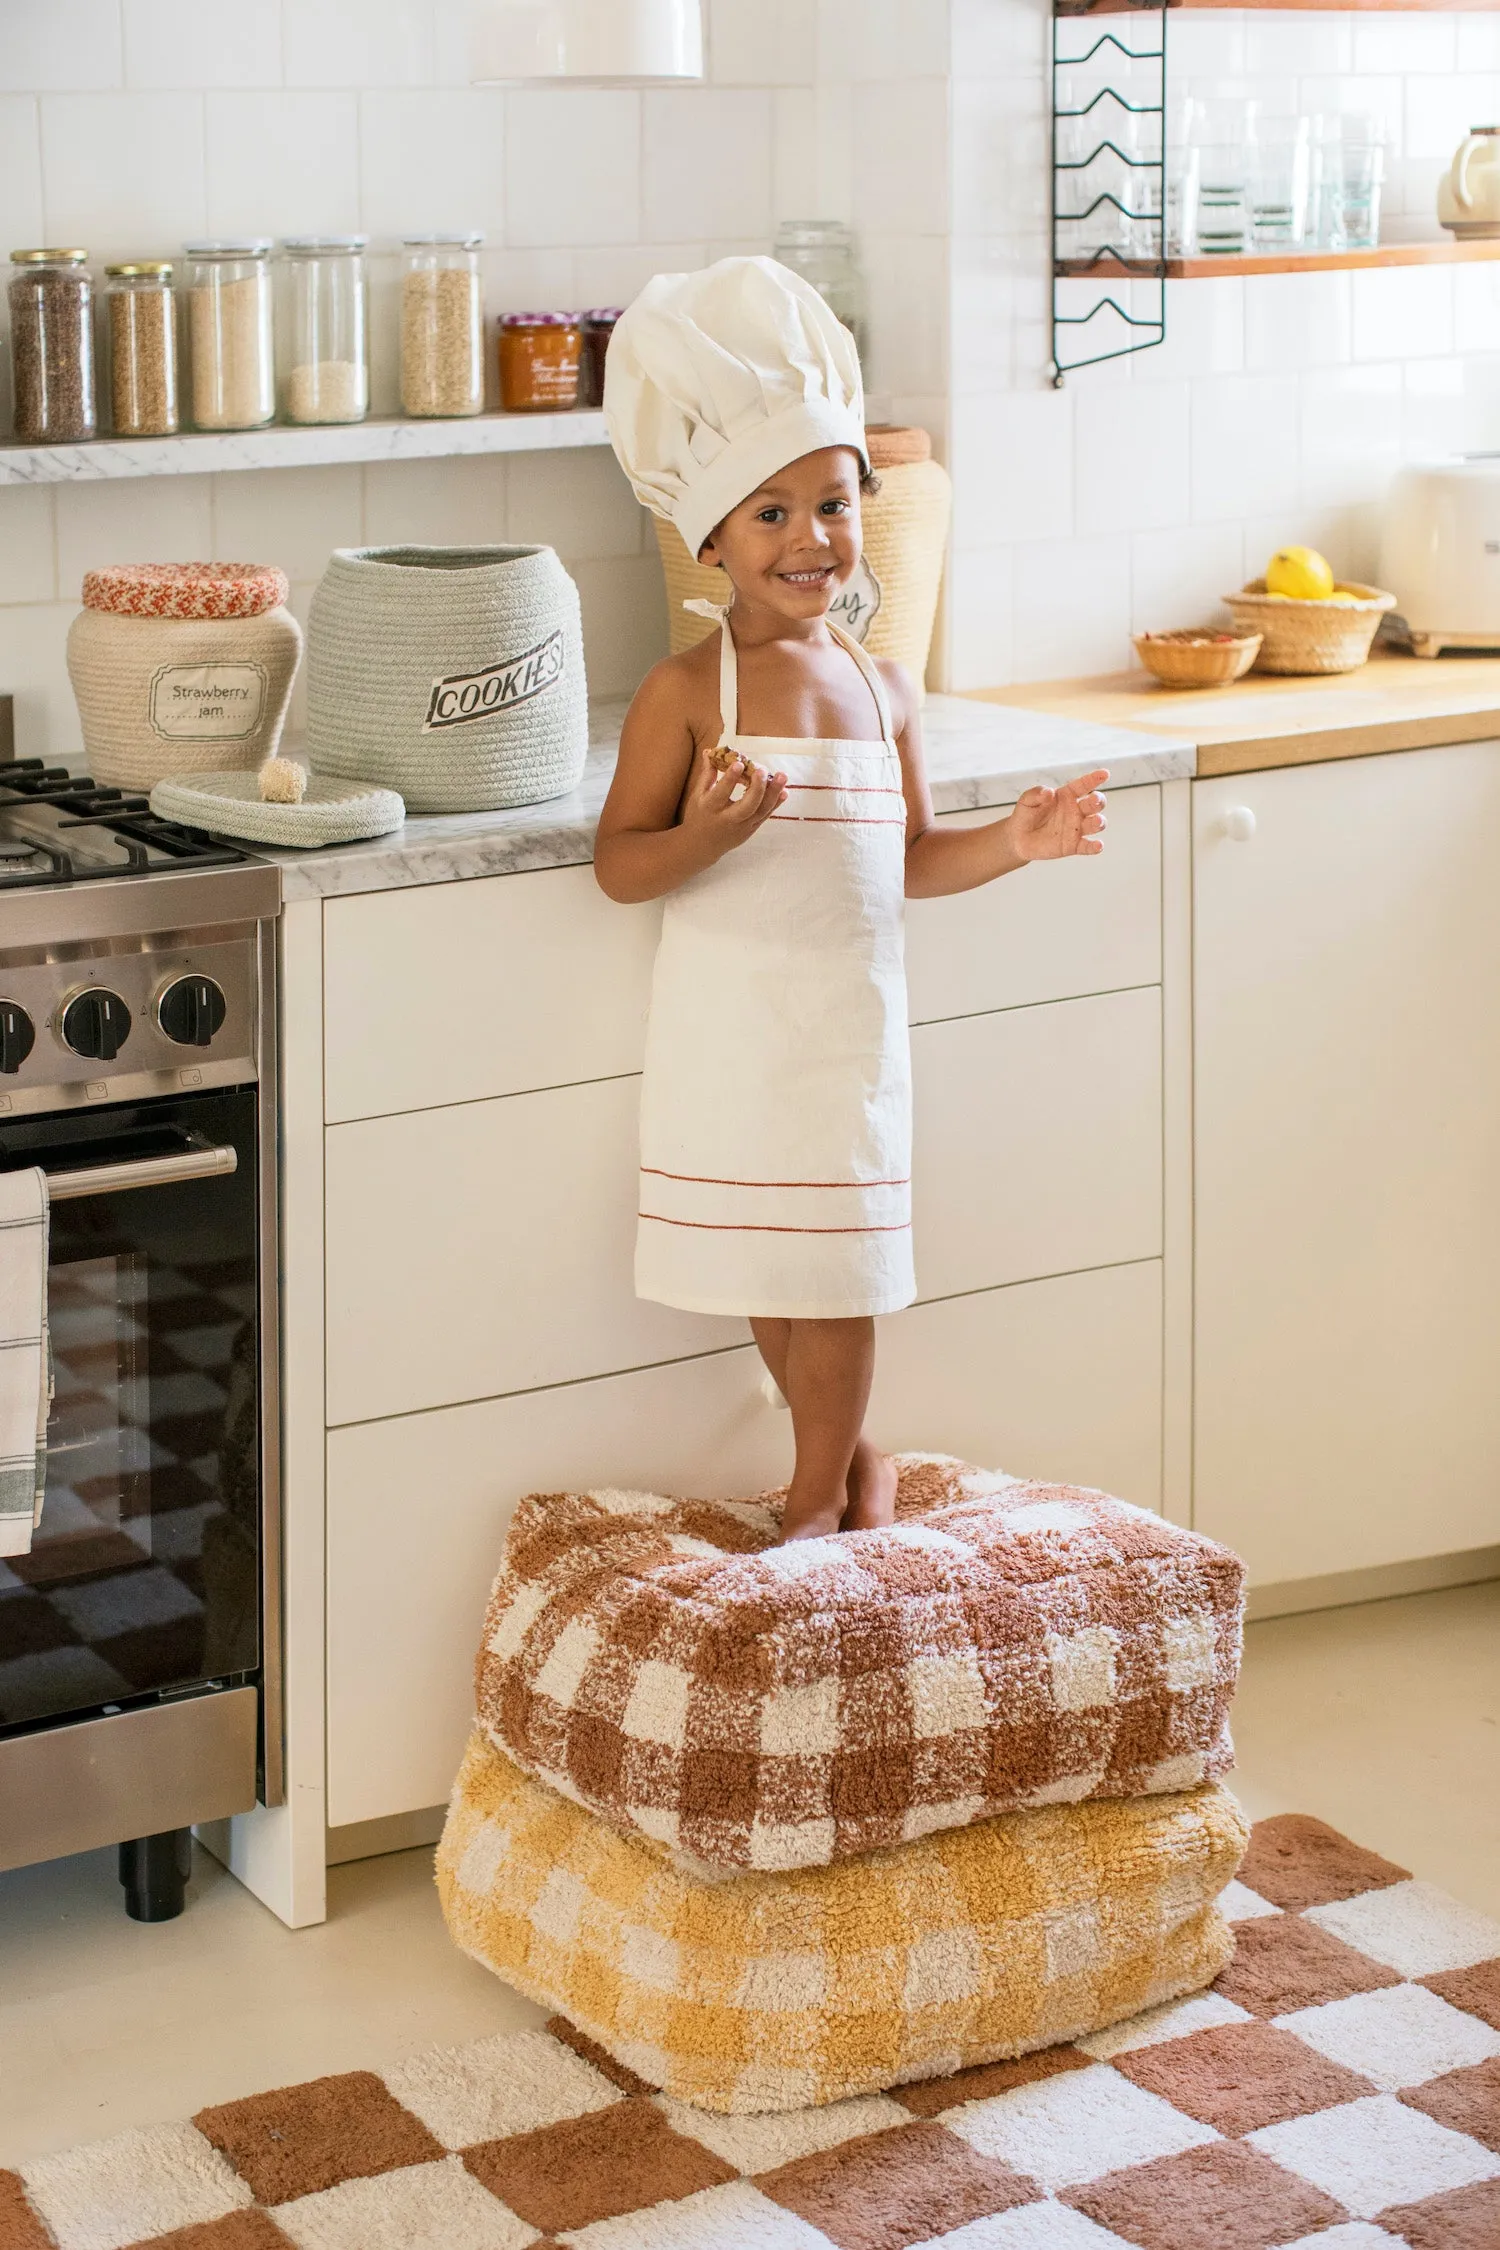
1278, 182
1361, 177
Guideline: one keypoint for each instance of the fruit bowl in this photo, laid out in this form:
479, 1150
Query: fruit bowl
1196, 656
1308, 637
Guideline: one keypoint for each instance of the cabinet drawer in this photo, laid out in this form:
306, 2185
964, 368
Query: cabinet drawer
1038, 1145
458, 991
1049, 932
489, 1248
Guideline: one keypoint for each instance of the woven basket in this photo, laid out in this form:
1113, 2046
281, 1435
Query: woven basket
453, 675
906, 536
1196, 656
175, 695
1308, 637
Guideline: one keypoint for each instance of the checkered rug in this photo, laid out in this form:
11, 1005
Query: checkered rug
1339, 2087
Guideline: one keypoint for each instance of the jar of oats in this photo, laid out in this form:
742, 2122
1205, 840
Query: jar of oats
325, 374
52, 346
231, 371
442, 325
140, 323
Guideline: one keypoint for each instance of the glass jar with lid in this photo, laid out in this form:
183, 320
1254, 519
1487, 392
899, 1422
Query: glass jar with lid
52, 346
598, 326
823, 252
539, 361
227, 300
442, 325
321, 331
140, 321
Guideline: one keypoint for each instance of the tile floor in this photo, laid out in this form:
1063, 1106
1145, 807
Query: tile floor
1383, 1719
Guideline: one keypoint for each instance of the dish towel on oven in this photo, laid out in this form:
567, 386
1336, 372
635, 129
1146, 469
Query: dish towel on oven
25, 1357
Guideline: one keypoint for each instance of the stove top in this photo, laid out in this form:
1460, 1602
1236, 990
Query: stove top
61, 827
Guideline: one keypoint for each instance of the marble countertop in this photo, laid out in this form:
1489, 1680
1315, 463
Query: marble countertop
978, 754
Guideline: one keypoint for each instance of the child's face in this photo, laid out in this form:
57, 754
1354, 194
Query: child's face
797, 539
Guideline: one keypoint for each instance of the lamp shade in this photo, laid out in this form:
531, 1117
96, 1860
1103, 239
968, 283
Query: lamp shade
602, 41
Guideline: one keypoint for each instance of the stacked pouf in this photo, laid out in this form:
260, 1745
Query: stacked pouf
777, 1825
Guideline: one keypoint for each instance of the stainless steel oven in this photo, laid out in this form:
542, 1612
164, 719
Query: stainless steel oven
140, 1674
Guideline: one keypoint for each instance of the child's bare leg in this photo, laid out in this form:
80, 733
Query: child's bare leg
871, 1485
825, 1377
771, 1342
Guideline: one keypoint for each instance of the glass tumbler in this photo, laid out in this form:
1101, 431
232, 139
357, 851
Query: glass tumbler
322, 335
1278, 182
1361, 178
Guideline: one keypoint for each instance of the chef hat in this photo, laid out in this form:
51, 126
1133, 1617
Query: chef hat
715, 380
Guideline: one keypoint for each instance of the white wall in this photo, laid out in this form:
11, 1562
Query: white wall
128, 125
1278, 407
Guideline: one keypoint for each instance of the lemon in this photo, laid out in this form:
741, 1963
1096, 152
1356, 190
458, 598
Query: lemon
1300, 573
1346, 601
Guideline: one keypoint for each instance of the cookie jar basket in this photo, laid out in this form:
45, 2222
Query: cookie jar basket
181, 668
451, 674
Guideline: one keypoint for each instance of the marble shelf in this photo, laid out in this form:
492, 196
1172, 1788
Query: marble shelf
282, 446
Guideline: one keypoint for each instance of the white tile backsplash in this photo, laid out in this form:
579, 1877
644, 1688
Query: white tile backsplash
1244, 445
1072, 608
1403, 311
294, 519
1351, 433
431, 159
1298, 320
572, 166
282, 163
144, 150
1133, 457
1179, 577
57, 45
28, 547
190, 44
772, 43
706, 164
900, 156
171, 520
357, 42
21, 170
1013, 467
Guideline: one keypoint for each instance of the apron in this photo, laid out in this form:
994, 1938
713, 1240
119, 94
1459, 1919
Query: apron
776, 1098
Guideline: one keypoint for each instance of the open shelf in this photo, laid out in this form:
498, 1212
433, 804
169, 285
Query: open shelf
212, 452
1279, 7
1308, 261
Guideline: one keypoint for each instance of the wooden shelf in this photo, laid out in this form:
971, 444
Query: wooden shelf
213, 452
1309, 261
1279, 7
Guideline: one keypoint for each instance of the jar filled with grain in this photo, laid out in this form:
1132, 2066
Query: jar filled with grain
231, 371
321, 331
140, 321
442, 325
52, 346
539, 362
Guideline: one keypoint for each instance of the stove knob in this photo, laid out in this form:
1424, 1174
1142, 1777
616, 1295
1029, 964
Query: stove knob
17, 1036
96, 1023
191, 1011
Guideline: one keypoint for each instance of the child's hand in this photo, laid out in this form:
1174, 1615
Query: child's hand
1060, 823
718, 818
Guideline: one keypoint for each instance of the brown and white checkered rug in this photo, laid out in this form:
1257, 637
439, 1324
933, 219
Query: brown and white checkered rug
1339, 2087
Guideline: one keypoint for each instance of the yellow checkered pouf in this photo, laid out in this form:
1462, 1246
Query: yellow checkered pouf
759, 1992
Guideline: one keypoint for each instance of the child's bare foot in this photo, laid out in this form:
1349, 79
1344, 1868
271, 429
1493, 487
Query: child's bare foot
872, 1490
799, 1520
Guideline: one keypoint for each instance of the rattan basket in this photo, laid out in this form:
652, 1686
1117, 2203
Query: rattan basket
1196, 656
1307, 637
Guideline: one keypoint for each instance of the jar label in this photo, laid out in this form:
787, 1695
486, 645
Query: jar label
854, 607
207, 702
499, 687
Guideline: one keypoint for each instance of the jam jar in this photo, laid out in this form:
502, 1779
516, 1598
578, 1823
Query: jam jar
540, 355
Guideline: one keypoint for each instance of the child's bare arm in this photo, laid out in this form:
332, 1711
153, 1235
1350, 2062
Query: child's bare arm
1045, 824
671, 811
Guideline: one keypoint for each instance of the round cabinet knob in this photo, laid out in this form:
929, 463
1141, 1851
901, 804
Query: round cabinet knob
17, 1036
96, 1023
1239, 824
191, 1011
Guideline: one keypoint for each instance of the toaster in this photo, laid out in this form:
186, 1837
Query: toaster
1440, 552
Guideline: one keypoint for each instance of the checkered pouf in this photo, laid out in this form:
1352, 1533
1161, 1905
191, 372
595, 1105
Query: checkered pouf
1338, 2089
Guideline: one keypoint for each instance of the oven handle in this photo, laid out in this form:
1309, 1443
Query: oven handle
205, 1163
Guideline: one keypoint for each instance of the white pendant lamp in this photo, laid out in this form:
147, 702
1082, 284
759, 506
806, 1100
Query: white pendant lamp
603, 42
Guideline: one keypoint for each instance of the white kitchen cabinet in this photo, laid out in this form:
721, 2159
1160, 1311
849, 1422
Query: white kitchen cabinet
1050, 932
1347, 1106
489, 1248
1038, 1139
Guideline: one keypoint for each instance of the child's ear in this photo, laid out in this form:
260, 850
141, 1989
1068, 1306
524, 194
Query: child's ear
708, 555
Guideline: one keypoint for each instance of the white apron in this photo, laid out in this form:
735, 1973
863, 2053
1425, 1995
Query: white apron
776, 1102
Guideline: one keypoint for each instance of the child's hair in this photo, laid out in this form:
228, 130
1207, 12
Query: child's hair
869, 484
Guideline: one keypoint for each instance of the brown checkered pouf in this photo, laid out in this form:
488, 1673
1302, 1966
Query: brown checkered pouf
1339, 2089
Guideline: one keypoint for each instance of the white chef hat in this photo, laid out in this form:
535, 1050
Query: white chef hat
715, 380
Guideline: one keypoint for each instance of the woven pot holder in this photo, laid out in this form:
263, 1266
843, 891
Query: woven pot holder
230, 804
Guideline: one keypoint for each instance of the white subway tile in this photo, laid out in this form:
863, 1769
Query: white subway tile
1361, 93
1476, 308
1439, 111
900, 156
999, 315
357, 42
1245, 441
1179, 577
796, 163
907, 277
1132, 458
1404, 43
183, 43
992, 38
1451, 406
33, 666
444, 503
1012, 463
1000, 161
429, 159
294, 735
1478, 41
979, 600
163, 519
28, 551
1293, 45
21, 171
1297, 320
624, 621
1200, 46
282, 163
291, 517
1205, 328
614, 276
59, 46
834, 153
762, 42
1411, 191
530, 281
898, 40
706, 164
1071, 608
1351, 434
578, 502
1402, 312
572, 167
123, 173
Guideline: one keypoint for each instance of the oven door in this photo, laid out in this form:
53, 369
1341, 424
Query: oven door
144, 1577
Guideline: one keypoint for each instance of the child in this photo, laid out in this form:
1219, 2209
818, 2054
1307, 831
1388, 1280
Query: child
770, 788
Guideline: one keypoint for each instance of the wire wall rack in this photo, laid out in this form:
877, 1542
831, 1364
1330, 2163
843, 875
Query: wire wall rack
1109, 186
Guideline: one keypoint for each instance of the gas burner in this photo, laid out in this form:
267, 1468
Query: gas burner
61, 827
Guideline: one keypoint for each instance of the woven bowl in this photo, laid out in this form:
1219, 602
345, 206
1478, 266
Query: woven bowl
1196, 656
1306, 637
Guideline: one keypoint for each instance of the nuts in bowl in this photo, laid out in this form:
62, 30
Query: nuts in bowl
1197, 656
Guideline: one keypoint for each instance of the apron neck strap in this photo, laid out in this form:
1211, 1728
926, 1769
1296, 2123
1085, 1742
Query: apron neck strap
729, 685
873, 681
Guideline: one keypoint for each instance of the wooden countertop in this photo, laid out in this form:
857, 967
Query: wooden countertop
1392, 703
